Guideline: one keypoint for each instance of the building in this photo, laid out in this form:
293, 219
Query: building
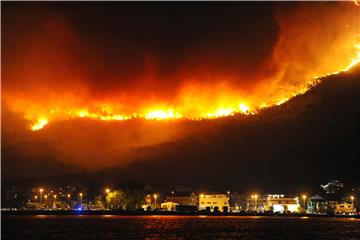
214, 202
237, 202
345, 208
317, 205
169, 206
183, 198
15, 197
281, 203
255, 202
333, 187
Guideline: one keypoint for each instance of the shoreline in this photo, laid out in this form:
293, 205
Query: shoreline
157, 213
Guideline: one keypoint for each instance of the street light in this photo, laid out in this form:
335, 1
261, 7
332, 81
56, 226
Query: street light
41, 192
304, 197
252, 197
352, 200
255, 196
81, 195
69, 196
35, 198
46, 196
55, 197
107, 192
155, 197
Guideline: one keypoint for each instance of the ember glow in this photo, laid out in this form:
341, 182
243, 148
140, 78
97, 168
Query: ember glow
46, 79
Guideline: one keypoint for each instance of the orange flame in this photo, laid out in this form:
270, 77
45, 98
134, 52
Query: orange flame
171, 113
202, 101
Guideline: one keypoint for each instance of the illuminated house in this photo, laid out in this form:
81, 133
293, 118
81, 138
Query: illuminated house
256, 202
169, 206
345, 208
214, 202
280, 203
317, 205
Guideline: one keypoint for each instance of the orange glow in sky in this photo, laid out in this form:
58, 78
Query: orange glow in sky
171, 113
46, 80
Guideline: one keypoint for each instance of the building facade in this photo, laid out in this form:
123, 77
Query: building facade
214, 202
169, 206
317, 205
333, 187
281, 203
345, 208
237, 202
184, 198
255, 203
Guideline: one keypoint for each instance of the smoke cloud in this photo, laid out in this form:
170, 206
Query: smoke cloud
130, 57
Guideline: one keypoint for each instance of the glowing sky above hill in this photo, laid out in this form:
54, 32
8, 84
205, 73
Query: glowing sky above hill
116, 61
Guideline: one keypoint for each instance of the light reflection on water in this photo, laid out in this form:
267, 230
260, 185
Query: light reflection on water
178, 227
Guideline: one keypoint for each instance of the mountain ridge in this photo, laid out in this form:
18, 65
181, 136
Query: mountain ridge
306, 133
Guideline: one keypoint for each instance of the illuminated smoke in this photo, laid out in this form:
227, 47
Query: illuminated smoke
50, 76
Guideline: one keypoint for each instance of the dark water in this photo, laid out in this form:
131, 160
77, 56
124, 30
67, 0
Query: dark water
177, 227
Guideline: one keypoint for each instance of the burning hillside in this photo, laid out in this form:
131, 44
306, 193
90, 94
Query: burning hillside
55, 68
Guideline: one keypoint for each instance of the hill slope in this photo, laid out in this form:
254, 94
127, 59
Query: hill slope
310, 139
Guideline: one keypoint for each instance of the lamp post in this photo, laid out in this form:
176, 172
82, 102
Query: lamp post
81, 196
304, 197
69, 197
107, 192
252, 197
36, 198
155, 197
352, 200
46, 196
54, 202
255, 196
41, 192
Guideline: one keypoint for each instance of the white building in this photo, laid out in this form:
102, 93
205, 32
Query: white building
281, 203
169, 206
214, 202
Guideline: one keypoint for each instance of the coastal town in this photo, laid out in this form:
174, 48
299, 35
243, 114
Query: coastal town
331, 199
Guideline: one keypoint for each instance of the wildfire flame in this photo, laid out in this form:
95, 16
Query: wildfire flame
171, 113
162, 114
39, 124
194, 102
